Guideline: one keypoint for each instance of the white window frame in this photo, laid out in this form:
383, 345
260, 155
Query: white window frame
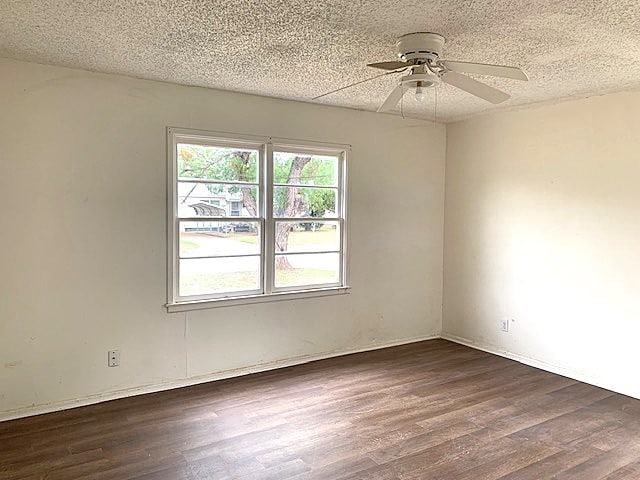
266, 147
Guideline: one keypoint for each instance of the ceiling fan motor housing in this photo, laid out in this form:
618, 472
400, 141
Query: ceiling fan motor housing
420, 46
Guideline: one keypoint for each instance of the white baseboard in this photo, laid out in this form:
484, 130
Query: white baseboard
185, 382
129, 392
581, 377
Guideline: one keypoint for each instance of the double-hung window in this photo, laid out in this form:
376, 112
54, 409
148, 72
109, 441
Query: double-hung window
252, 218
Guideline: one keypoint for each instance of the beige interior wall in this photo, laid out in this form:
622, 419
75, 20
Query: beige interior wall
543, 228
83, 244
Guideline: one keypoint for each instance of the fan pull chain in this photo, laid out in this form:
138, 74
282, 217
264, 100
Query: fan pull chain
435, 104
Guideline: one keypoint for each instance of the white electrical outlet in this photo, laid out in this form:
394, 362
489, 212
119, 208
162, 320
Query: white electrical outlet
114, 358
504, 326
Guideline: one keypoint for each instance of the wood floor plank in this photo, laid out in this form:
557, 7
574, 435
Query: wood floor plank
427, 410
552, 465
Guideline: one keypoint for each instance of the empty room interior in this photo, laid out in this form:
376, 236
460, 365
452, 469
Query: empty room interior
289, 239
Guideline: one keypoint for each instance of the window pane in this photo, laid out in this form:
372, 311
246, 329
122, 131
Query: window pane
306, 269
216, 200
304, 202
217, 163
307, 236
209, 239
305, 169
219, 275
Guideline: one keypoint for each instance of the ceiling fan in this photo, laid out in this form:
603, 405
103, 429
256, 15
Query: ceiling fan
419, 55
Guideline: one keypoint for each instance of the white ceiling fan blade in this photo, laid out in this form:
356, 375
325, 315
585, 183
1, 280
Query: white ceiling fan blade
393, 99
389, 65
474, 87
486, 69
358, 83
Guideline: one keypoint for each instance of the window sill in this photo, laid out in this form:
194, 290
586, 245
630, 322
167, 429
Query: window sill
251, 299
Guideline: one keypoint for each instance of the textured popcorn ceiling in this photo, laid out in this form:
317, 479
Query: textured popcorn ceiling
298, 49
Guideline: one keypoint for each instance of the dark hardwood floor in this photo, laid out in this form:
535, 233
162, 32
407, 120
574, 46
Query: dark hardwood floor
430, 410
